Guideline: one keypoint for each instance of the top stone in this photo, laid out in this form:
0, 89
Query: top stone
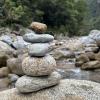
38, 27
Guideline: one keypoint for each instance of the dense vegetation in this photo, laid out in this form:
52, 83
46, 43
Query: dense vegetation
72, 16
94, 14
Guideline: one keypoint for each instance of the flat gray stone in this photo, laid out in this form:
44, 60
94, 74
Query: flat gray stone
27, 84
19, 43
7, 39
37, 38
38, 49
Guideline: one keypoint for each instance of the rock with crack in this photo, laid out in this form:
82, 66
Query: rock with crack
27, 84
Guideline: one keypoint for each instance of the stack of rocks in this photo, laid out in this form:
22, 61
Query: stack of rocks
39, 66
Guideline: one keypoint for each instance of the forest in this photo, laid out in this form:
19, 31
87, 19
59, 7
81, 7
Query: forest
71, 17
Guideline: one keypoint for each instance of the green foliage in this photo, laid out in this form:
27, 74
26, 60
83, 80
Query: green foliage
93, 16
63, 15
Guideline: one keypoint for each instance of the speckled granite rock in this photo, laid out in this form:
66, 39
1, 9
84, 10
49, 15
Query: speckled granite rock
80, 89
34, 66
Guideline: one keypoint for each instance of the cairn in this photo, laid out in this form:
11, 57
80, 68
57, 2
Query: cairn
39, 66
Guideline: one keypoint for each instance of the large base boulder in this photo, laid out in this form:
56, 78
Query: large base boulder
66, 90
27, 84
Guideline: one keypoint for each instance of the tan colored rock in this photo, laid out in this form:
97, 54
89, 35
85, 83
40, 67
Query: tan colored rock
62, 53
97, 56
91, 65
4, 82
4, 71
3, 59
34, 66
15, 65
68, 89
91, 55
38, 27
81, 59
5, 47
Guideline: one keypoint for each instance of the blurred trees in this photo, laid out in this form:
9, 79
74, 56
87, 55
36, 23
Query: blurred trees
66, 15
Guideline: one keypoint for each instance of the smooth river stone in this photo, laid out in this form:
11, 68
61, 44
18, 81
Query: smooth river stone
39, 49
38, 27
38, 66
27, 84
37, 38
19, 43
7, 39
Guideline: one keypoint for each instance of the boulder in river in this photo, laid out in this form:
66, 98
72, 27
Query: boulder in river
91, 65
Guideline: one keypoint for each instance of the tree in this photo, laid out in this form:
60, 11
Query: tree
55, 13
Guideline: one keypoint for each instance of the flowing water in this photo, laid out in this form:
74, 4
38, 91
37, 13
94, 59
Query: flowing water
76, 73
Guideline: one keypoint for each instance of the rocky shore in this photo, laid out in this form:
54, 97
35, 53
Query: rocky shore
35, 63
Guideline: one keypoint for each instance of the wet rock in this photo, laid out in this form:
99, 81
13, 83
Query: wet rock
34, 66
4, 71
91, 55
91, 65
68, 89
28, 84
81, 59
38, 49
36, 38
92, 49
62, 54
38, 27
